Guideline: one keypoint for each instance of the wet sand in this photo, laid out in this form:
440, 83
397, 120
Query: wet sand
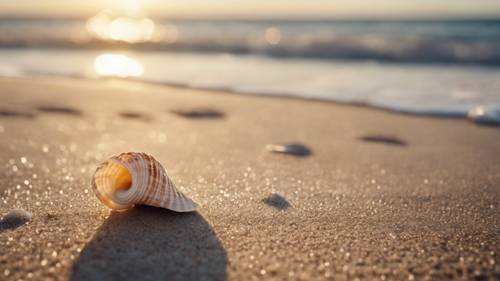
380, 196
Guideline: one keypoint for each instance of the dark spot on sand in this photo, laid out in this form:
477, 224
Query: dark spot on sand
200, 113
16, 114
383, 140
133, 115
277, 201
295, 149
59, 110
50, 216
15, 219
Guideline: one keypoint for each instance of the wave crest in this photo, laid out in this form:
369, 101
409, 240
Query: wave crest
401, 42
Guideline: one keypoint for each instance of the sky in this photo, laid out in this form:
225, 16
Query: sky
256, 8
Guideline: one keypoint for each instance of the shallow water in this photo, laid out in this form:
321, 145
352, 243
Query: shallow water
444, 90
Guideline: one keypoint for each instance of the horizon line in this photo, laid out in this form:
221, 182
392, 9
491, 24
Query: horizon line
487, 17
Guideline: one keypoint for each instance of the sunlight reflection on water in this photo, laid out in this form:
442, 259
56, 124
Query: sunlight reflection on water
128, 29
117, 65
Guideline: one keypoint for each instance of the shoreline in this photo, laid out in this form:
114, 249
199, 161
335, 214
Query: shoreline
228, 91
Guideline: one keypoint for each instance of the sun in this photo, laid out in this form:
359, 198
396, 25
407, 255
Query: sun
131, 30
125, 20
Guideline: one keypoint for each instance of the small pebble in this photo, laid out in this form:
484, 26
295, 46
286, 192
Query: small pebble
290, 148
15, 218
486, 115
277, 201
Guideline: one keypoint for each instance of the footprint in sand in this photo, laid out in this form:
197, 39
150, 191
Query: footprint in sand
133, 115
383, 140
199, 113
16, 114
59, 110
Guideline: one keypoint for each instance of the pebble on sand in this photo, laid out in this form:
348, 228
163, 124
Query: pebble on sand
289, 148
277, 201
15, 218
485, 115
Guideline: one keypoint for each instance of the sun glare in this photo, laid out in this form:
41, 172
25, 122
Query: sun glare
117, 65
128, 29
272, 35
131, 7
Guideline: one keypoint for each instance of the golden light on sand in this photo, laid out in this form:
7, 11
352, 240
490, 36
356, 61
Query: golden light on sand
117, 65
128, 29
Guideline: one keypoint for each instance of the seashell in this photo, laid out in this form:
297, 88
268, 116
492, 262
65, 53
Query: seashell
134, 178
487, 115
295, 149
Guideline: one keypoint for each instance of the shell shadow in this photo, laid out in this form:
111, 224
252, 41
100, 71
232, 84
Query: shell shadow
277, 201
147, 243
383, 140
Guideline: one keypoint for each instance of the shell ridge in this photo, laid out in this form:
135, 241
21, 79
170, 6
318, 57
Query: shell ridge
153, 184
162, 179
155, 173
143, 179
171, 195
146, 174
166, 190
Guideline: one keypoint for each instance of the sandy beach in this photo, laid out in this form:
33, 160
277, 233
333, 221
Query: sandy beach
382, 196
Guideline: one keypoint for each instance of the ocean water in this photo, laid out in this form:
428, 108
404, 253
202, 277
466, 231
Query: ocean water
442, 68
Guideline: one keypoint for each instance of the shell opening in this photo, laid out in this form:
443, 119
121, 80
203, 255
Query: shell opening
123, 180
109, 180
113, 177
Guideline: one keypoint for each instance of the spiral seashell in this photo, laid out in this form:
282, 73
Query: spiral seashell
134, 178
